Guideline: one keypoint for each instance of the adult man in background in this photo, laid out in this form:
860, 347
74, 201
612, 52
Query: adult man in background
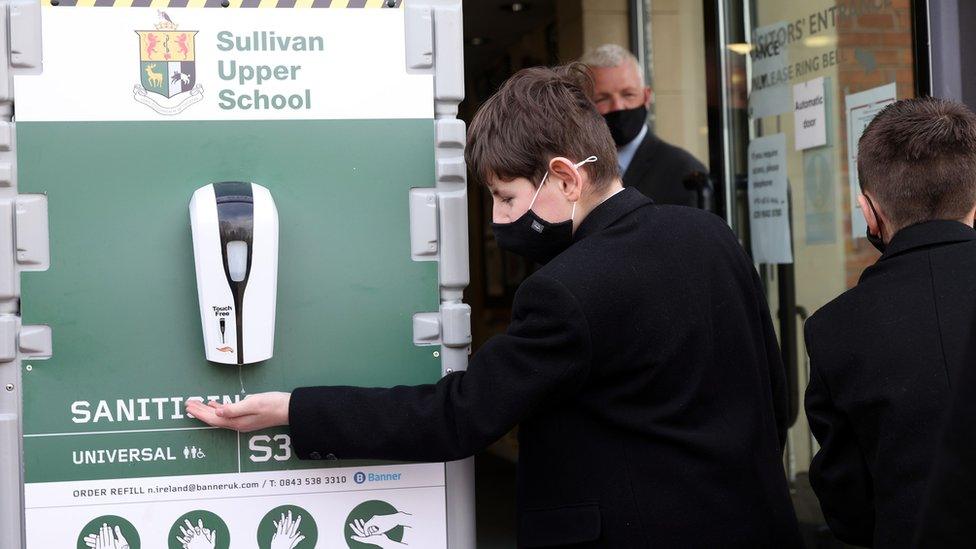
885, 353
655, 168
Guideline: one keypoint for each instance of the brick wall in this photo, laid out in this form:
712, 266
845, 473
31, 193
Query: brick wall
884, 37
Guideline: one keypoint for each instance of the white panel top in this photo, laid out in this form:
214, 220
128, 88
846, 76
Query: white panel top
216, 64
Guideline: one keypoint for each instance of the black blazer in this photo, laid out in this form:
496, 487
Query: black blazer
643, 369
659, 169
949, 507
882, 355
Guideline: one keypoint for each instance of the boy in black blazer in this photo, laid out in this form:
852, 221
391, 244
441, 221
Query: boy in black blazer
885, 353
640, 363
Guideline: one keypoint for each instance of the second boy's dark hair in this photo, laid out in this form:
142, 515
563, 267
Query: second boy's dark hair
538, 114
917, 158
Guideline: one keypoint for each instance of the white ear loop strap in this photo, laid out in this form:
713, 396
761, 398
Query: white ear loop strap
587, 160
537, 190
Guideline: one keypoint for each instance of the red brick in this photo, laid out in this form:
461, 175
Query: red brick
899, 56
897, 39
904, 20
876, 21
905, 75
861, 39
859, 80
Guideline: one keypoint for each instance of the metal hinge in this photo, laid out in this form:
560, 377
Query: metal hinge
419, 34
33, 342
33, 240
423, 224
20, 44
25, 37
430, 211
434, 208
24, 219
434, 42
451, 327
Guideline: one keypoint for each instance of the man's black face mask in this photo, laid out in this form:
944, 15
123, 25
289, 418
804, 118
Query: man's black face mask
626, 124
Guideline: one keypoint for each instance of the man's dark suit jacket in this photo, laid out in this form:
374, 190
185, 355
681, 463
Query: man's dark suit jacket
642, 367
882, 358
658, 169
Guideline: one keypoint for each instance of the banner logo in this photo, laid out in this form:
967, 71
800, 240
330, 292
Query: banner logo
167, 68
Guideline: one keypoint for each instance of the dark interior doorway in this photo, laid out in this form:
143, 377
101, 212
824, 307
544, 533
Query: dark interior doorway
501, 37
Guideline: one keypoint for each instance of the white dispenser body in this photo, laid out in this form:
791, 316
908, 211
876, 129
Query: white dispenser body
235, 251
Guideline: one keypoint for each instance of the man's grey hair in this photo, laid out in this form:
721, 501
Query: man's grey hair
611, 55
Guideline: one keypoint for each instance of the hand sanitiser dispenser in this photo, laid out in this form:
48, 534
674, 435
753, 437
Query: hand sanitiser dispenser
235, 250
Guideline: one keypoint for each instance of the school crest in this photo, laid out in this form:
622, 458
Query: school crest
167, 68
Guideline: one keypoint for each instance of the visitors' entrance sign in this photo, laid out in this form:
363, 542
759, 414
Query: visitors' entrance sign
135, 109
769, 91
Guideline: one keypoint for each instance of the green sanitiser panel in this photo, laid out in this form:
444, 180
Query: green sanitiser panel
120, 295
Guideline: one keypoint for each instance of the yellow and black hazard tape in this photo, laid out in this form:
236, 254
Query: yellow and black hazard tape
227, 3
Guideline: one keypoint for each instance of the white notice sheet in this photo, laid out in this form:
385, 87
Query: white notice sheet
769, 209
861, 108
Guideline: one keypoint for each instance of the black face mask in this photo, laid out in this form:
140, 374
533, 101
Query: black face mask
534, 238
626, 124
874, 239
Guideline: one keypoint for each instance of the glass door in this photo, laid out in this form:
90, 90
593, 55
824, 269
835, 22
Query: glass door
792, 83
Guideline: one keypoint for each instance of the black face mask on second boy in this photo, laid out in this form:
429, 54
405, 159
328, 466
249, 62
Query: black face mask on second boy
875, 239
534, 238
626, 124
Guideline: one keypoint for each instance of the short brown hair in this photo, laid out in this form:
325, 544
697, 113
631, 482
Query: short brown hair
538, 114
918, 160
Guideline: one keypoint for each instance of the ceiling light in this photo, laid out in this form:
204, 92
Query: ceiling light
741, 48
515, 7
819, 41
